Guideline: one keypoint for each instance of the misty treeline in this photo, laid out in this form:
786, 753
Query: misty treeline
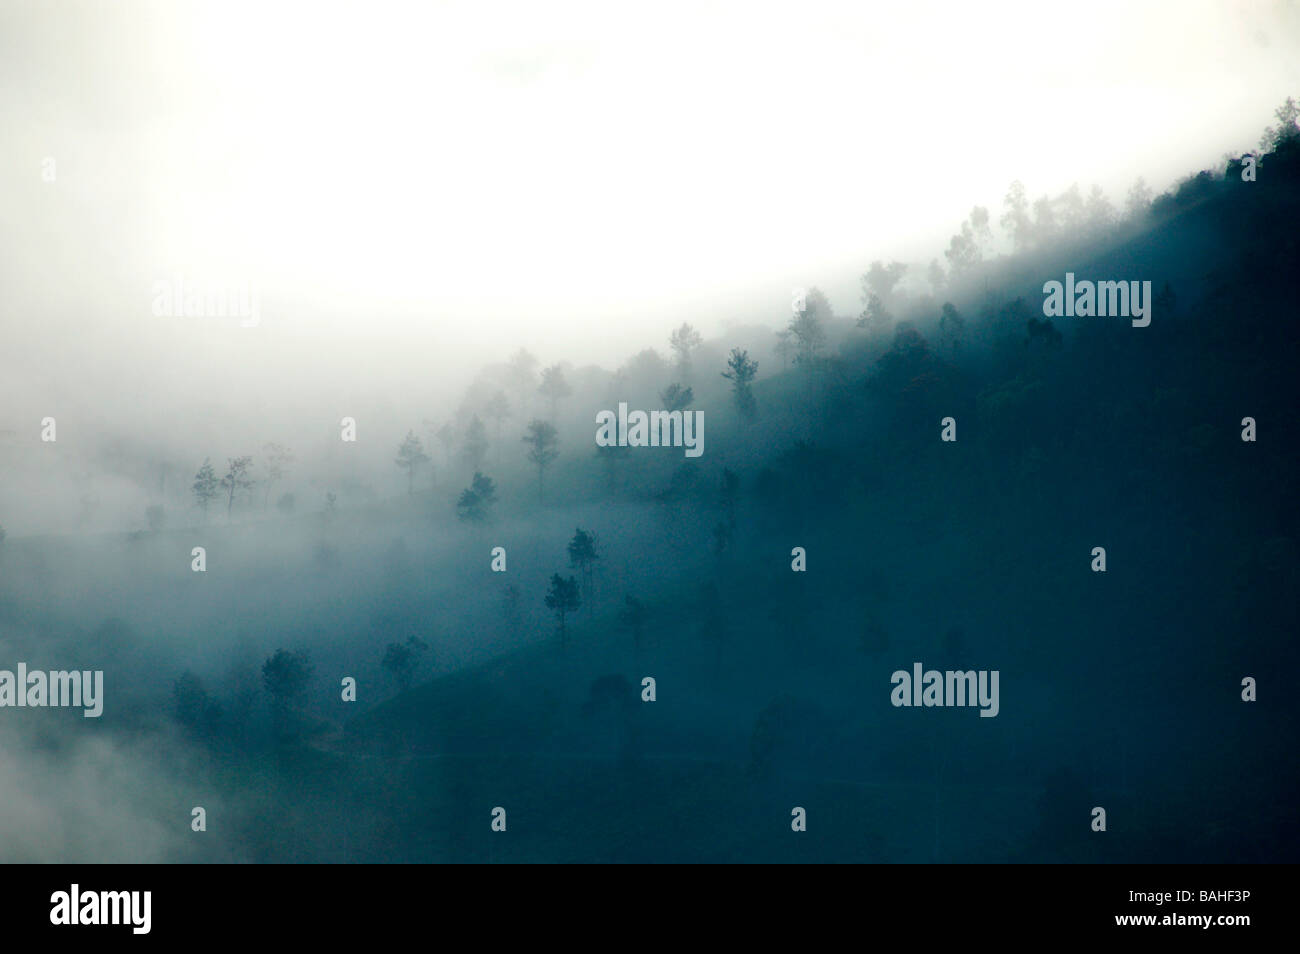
823, 434
907, 358
522, 416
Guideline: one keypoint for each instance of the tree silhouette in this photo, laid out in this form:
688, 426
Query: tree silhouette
205, 486
1016, 221
1045, 221
740, 372
676, 398
881, 279
1287, 130
683, 341
966, 248
554, 387
236, 479
562, 599
807, 330
543, 443
1070, 210
962, 254
401, 659
285, 677
904, 364
475, 503
1138, 202
1099, 214
468, 508
583, 554
876, 316
484, 488
410, 455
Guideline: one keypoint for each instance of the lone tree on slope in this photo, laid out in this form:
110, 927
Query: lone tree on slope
205, 486
583, 554
543, 443
410, 456
237, 478
476, 500
741, 370
807, 329
562, 599
676, 398
683, 341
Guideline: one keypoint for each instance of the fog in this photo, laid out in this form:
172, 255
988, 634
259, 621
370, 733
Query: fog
431, 207
433, 179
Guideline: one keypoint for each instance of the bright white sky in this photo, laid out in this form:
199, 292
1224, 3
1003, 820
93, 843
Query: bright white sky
579, 177
548, 160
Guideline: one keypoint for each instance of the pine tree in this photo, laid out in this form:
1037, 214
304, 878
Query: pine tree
562, 599
205, 486
410, 456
